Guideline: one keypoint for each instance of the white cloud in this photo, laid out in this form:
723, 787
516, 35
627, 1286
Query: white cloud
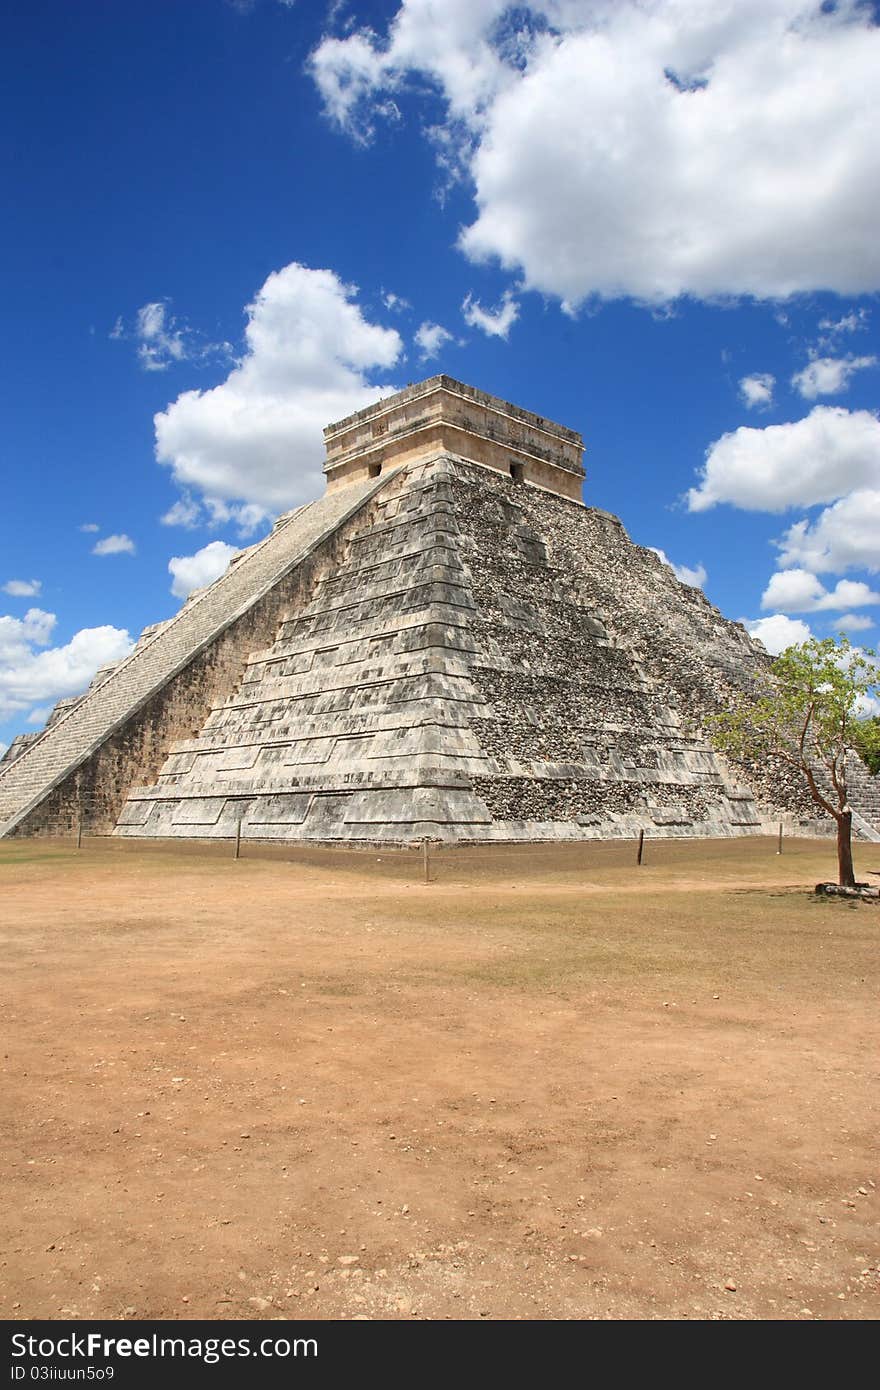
163, 339
849, 593
190, 572
618, 148
90, 526
817, 459
29, 676
34, 629
359, 76
246, 516
431, 338
828, 376
497, 322
191, 512
852, 622
695, 577
186, 511
347, 71
757, 390
114, 545
258, 436
799, 591
160, 339
22, 588
792, 591
778, 632
395, 302
844, 536
830, 456
850, 323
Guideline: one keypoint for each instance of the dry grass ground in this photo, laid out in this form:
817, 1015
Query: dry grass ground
547, 1084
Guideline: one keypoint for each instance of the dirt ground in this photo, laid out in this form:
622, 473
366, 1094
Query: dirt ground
547, 1084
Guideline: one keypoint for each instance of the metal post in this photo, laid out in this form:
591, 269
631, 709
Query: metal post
641, 846
779, 848
238, 836
426, 861
79, 826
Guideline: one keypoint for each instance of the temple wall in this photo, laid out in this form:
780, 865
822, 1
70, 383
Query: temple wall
446, 415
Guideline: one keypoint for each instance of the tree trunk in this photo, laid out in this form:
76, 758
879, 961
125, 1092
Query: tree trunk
845, 872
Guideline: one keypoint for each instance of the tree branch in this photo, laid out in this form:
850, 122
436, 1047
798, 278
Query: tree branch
803, 737
816, 794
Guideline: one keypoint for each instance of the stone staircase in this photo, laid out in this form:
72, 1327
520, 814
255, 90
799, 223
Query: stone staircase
354, 724
77, 733
864, 796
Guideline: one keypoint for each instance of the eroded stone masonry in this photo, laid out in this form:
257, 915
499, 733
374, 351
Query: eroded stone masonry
447, 645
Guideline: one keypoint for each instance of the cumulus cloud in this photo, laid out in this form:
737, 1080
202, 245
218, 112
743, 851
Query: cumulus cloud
778, 632
348, 72
33, 672
190, 572
817, 459
757, 390
22, 588
495, 323
852, 622
34, 629
799, 591
830, 456
619, 149
828, 376
359, 76
695, 577
843, 536
431, 338
114, 545
309, 358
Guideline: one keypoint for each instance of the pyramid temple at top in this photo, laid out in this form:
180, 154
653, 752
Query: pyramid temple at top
447, 645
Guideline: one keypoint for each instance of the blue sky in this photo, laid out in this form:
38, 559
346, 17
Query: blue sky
231, 223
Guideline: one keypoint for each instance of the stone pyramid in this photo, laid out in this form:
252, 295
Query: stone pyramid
447, 645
